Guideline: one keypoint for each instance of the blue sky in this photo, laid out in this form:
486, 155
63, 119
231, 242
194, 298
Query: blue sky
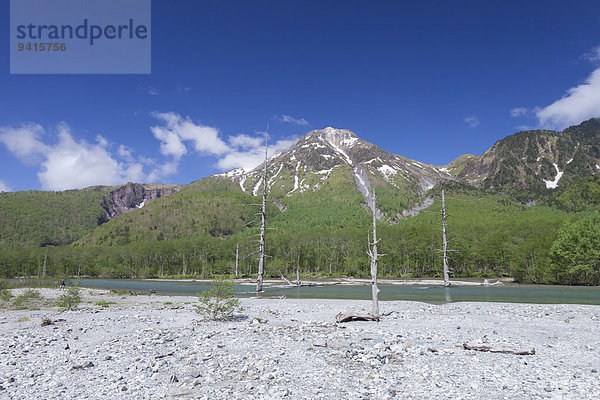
429, 81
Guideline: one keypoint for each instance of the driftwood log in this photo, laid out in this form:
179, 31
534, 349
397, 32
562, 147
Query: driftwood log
499, 349
285, 279
353, 316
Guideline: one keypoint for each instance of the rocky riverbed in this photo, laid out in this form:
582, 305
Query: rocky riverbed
147, 347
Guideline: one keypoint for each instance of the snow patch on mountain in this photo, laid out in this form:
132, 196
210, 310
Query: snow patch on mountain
272, 179
387, 171
256, 187
296, 180
340, 151
554, 183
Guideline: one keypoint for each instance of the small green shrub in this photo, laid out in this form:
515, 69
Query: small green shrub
28, 298
5, 295
104, 304
47, 321
69, 300
218, 303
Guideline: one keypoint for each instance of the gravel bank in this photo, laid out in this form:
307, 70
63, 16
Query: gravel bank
142, 348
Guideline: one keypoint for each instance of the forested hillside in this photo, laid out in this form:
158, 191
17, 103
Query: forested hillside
49, 218
509, 215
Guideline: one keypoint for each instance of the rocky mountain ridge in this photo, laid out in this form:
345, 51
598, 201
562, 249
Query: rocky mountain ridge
532, 160
325, 153
132, 196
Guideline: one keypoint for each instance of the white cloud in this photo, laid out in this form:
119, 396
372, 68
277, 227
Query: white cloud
240, 151
246, 141
578, 104
253, 154
4, 187
519, 112
24, 142
69, 164
291, 120
152, 91
178, 130
472, 121
593, 55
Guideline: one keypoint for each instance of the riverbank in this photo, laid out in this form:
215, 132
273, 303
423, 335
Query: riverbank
146, 347
345, 281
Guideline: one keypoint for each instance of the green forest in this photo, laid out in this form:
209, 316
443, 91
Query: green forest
195, 233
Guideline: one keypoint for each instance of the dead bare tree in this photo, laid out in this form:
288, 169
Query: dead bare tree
261, 259
446, 276
298, 283
372, 252
44, 267
374, 255
444, 249
237, 252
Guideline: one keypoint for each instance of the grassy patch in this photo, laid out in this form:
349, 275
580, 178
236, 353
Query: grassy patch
29, 299
104, 304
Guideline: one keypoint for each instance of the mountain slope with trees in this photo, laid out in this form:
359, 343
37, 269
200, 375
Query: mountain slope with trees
508, 215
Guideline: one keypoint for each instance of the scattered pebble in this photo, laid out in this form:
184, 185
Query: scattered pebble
292, 349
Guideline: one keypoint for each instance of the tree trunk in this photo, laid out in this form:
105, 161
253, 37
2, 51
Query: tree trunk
446, 277
261, 260
298, 283
237, 252
44, 267
354, 316
499, 349
373, 254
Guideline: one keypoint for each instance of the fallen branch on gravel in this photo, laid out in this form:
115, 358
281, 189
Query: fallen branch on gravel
498, 349
354, 316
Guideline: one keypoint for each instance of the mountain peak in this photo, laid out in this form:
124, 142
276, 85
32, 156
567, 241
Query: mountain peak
336, 137
331, 156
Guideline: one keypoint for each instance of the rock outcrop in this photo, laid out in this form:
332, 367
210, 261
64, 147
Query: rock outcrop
132, 196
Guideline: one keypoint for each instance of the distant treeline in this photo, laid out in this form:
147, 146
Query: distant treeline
534, 246
196, 231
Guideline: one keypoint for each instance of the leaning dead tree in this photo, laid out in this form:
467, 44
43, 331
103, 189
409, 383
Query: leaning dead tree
374, 255
263, 213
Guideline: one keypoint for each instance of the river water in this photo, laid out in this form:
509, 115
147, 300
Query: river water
509, 293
